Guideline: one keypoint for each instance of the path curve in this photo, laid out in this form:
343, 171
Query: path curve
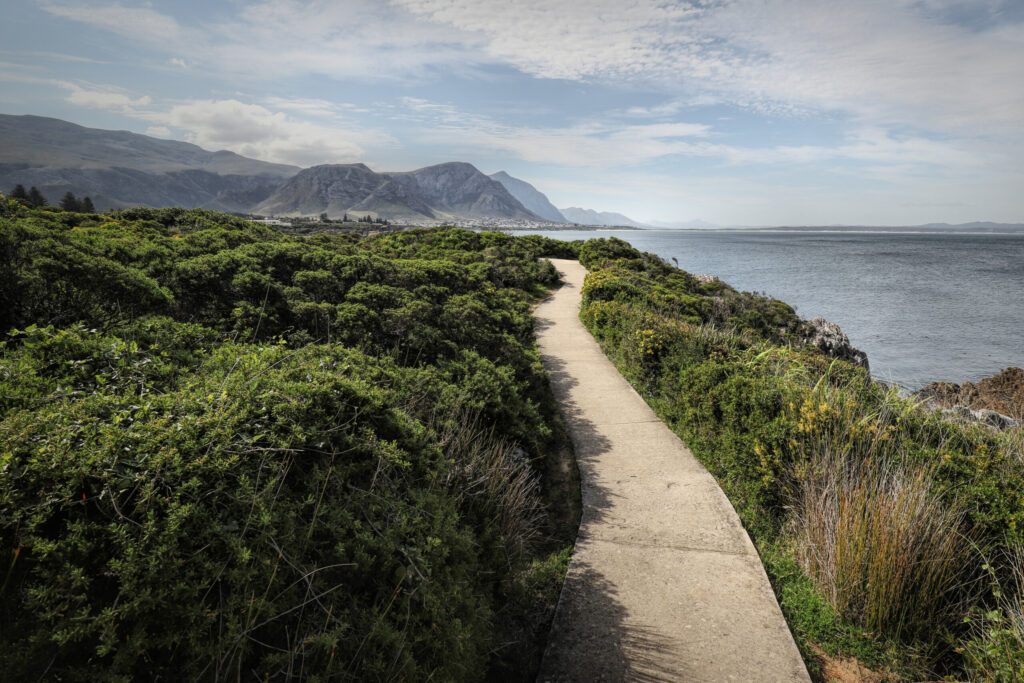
664, 584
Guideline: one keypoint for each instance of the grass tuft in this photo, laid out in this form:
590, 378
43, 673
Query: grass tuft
886, 552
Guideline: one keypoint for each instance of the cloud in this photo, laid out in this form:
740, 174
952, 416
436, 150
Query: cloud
945, 64
921, 61
256, 131
609, 143
313, 107
142, 24
104, 99
178, 62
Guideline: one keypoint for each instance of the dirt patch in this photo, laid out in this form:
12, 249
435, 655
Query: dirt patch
848, 670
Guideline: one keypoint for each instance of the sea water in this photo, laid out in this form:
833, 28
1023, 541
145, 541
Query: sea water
923, 306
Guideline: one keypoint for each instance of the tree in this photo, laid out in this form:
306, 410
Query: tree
35, 197
87, 206
19, 193
323, 218
344, 219
70, 203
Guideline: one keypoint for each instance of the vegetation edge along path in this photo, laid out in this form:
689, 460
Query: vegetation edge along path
665, 583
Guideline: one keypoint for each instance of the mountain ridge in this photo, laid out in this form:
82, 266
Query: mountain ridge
530, 197
451, 190
575, 214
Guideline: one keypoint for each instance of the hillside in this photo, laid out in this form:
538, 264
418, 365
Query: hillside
118, 168
575, 214
530, 197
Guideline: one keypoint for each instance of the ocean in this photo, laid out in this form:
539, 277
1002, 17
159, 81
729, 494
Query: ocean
923, 306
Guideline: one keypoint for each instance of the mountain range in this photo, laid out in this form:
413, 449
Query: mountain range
604, 218
453, 190
119, 168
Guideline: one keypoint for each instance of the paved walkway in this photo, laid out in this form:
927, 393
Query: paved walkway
665, 584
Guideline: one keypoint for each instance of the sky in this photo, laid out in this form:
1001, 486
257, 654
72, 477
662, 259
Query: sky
736, 112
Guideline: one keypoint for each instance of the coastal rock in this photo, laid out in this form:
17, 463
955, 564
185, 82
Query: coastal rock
828, 337
997, 401
986, 417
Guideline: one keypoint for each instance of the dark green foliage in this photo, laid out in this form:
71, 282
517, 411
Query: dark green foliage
69, 202
36, 198
19, 193
227, 452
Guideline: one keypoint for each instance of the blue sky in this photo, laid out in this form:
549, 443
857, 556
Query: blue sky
731, 111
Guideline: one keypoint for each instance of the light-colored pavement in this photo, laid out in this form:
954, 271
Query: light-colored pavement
664, 584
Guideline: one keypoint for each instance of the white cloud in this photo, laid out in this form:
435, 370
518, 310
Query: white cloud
143, 24
256, 131
91, 96
178, 62
608, 144
881, 60
313, 107
947, 64
105, 99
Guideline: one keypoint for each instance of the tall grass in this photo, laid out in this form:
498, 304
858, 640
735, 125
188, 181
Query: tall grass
495, 474
886, 552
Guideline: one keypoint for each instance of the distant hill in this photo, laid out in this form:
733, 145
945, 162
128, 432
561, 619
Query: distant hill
41, 141
446, 191
695, 224
980, 226
530, 197
603, 218
118, 168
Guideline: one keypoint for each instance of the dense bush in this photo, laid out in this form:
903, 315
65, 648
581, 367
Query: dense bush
225, 451
886, 510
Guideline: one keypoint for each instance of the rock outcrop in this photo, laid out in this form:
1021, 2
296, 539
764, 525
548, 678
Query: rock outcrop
997, 401
829, 338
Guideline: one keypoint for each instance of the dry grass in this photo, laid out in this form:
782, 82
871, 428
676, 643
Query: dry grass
497, 474
871, 532
882, 548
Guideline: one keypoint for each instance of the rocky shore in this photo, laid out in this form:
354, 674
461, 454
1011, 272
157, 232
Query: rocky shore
829, 338
997, 400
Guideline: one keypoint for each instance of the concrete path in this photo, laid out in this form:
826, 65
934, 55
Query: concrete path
664, 584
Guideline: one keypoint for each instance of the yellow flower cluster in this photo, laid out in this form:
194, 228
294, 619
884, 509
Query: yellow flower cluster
810, 414
648, 342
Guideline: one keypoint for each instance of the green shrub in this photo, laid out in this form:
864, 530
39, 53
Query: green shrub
228, 452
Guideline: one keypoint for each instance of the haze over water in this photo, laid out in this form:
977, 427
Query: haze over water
924, 307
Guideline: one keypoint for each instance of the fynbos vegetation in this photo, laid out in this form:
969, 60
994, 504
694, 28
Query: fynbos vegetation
226, 452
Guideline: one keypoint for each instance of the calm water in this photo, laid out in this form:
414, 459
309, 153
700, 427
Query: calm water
923, 306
